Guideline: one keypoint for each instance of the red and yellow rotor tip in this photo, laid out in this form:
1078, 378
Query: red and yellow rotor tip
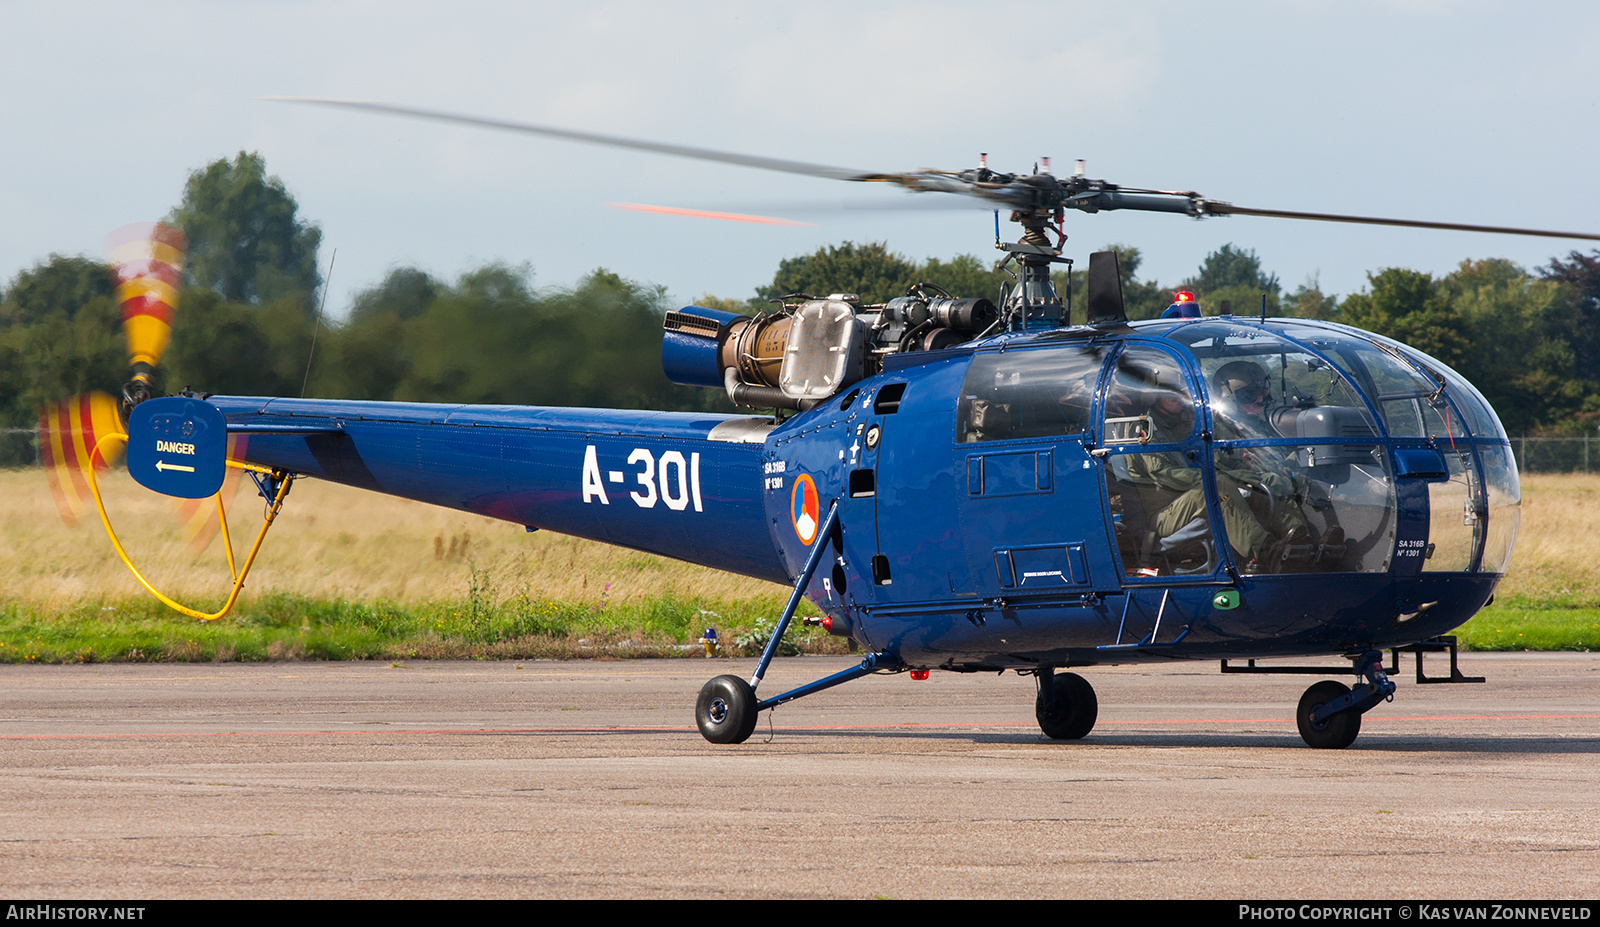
68, 432
147, 258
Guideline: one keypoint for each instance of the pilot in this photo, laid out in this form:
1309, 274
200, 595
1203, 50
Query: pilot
1264, 541
1170, 490
988, 420
1239, 392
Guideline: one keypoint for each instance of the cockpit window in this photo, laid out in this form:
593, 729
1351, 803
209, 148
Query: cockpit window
1147, 401
1029, 394
1412, 403
1302, 471
1263, 386
1155, 490
1480, 416
1301, 476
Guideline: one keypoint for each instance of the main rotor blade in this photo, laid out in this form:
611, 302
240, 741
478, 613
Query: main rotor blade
593, 138
1217, 208
1006, 189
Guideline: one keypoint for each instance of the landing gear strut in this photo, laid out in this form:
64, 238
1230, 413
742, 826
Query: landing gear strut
727, 708
1066, 706
1329, 714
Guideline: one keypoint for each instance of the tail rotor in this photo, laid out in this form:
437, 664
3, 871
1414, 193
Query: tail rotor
147, 267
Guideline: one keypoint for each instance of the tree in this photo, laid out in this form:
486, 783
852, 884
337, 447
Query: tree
1234, 275
492, 338
1527, 335
59, 286
1410, 306
245, 239
869, 270
1232, 267
405, 292
1309, 302
962, 276
58, 337
1582, 273
221, 346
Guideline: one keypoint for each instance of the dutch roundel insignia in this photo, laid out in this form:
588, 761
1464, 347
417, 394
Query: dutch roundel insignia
803, 508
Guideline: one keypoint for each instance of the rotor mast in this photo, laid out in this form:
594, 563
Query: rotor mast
1034, 303
1036, 202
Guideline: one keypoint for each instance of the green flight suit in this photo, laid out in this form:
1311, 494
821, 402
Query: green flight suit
1173, 489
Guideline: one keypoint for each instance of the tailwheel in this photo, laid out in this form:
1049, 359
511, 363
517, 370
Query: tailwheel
1332, 733
726, 710
1066, 706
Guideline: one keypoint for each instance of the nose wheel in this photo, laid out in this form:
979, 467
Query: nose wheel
1066, 706
1329, 714
1334, 732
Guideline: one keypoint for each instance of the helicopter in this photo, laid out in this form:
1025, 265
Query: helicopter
970, 485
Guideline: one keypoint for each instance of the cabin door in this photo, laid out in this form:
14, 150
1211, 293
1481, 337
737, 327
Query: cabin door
1031, 510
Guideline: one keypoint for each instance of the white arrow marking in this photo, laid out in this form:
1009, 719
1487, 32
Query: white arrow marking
163, 465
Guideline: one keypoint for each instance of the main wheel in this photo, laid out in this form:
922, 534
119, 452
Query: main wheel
726, 710
1071, 714
1335, 733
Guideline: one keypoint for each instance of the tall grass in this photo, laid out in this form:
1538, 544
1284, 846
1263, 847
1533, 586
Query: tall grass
330, 543
346, 574
1550, 598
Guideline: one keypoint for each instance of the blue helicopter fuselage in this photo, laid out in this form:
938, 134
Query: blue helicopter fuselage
965, 544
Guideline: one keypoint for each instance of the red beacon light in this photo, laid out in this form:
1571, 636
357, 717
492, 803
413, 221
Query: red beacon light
919, 674
1183, 306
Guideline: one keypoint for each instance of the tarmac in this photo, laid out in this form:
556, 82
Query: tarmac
587, 779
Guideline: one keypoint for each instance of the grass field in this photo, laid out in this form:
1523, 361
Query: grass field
348, 574
1550, 598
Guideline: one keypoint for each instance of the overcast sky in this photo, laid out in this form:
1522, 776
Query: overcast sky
1480, 112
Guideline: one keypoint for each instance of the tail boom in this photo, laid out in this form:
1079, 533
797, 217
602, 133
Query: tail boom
653, 481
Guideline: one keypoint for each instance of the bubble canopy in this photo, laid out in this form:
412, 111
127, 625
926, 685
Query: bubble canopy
1340, 415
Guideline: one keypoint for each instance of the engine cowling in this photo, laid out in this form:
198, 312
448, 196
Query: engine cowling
799, 357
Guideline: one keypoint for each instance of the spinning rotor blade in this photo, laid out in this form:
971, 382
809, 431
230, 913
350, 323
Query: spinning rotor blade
813, 209
148, 258
593, 138
925, 181
1038, 195
1217, 208
68, 432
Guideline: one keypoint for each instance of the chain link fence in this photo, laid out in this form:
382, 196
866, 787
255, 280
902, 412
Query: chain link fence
1557, 455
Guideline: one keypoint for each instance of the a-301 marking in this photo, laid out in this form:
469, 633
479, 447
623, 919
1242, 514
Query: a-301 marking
670, 479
